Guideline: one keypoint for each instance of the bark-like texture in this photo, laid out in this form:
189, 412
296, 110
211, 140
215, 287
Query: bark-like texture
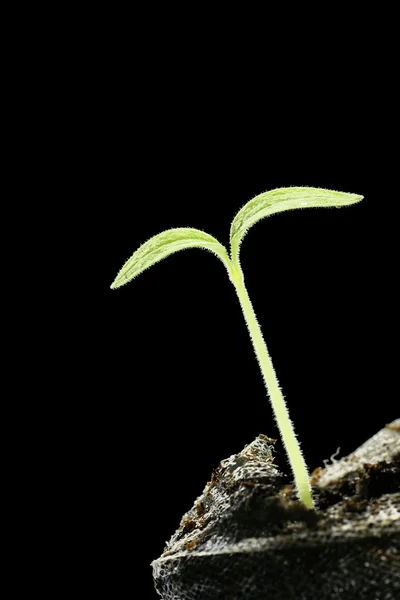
247, 538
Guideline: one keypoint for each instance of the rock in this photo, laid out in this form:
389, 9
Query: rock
248, 538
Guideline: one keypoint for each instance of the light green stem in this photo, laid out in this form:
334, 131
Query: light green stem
296, 460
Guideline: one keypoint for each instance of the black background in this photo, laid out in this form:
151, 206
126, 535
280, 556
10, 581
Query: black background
165, 381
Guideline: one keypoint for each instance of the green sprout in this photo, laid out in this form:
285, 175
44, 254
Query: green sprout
172, 240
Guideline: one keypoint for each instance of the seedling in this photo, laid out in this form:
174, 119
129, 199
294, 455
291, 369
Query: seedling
172, 240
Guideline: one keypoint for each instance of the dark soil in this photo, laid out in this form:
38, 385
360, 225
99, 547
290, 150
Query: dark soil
247, 537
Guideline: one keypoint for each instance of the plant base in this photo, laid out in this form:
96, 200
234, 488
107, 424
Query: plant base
248, 538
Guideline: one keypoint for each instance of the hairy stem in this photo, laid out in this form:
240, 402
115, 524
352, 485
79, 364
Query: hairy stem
296, 460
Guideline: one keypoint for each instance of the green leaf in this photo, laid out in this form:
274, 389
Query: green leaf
279, 200
162, 245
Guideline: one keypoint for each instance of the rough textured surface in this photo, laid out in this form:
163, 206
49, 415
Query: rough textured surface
247, 538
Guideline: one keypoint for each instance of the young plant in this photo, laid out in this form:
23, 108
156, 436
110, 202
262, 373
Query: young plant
172, 240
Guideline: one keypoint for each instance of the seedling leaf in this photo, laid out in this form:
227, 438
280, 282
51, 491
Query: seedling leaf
279, 200
162, 245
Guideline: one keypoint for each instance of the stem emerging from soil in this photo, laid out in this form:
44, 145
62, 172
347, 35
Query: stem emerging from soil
296, 459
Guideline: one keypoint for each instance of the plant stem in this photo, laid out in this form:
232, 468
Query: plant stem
296, 459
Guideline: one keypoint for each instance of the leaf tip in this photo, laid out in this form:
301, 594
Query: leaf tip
116, 284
